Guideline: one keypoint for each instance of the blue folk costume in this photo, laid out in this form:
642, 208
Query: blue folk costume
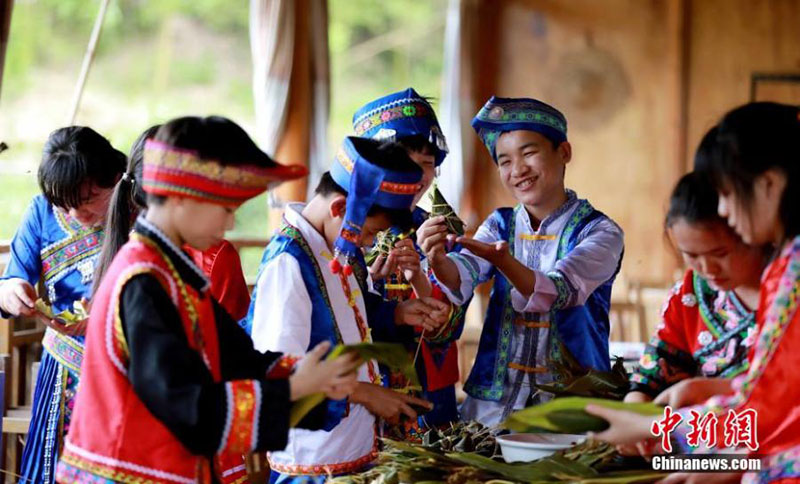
575, 253
393, 117
304, 295
51, 247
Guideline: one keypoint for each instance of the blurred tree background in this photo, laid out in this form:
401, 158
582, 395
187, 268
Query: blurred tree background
158, 59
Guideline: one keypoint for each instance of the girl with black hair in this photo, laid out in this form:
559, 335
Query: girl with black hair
171, 387
708, 322
57, 245
755, 167
221, 263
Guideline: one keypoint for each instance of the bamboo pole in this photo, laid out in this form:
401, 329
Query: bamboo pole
87, 60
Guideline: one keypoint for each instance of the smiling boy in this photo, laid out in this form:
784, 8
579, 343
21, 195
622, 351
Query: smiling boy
553, 259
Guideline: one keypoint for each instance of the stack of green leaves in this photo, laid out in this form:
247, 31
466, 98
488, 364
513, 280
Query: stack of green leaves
587, 462
568, 415
68, 318
392, 355
439, 206
572, 379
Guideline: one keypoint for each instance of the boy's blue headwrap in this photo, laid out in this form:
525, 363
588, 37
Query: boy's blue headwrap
400, 115
500, 115
366, 185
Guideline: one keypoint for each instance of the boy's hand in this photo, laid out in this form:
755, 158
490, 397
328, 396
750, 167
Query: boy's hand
407, 258
496, 253
433, 238
336, 378
387, 404
427, 313
17, 297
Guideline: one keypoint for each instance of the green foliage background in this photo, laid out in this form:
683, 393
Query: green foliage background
158, 59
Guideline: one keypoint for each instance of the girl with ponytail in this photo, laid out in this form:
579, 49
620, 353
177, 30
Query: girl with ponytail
220, 263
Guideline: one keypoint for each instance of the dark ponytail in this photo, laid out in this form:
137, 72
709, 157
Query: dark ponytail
126, 202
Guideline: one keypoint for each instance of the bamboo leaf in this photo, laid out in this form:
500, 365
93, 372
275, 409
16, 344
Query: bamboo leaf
623, 477
392, 355
540, 470
67, 317
567, 415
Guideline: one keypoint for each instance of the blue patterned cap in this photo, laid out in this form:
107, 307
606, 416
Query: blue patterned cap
400, 115
500, 115
366, 185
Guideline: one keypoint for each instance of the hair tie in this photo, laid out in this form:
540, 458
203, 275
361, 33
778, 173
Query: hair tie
127, 177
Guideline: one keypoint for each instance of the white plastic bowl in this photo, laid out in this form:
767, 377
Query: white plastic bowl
529, 447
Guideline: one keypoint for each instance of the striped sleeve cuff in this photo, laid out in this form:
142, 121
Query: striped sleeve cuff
240, 434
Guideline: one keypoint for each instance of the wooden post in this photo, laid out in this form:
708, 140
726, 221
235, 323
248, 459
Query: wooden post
295, 144
5, 27
87, 61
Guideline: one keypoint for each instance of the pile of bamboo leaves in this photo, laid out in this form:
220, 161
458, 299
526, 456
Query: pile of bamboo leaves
590, 462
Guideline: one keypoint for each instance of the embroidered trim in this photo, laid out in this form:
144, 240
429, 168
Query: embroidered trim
68, 224
64, 349
584, 208
401, 108
282, 367
566, 294
785, 465
325, 469
234, 475
241, 425
778, 317
116, 344
66, 472
521, 112
115, 469
293, 233
169, 170
386, 186
60, 257
188, 302
174, 248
